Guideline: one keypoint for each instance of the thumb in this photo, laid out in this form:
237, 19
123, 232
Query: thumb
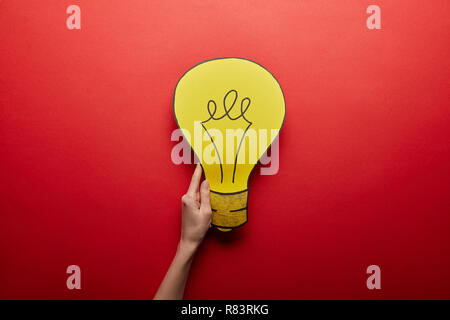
205, 205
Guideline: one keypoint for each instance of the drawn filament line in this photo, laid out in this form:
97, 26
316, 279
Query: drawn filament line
245, 104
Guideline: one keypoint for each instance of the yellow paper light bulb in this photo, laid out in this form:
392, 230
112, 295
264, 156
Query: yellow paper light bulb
228, 110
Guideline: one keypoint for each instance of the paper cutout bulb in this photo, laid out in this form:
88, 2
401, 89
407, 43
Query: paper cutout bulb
228, 110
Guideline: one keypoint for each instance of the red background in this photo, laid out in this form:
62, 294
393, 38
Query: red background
87, 179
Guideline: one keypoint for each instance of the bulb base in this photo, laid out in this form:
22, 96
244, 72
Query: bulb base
229, 210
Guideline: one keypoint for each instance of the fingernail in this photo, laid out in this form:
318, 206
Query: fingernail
206, 184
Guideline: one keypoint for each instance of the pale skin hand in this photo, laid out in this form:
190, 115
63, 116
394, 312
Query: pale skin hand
196, 220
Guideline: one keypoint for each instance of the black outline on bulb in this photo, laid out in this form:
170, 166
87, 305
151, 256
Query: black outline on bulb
282, 124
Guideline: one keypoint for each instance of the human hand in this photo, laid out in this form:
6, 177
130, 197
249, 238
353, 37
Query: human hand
196, 211
196, 220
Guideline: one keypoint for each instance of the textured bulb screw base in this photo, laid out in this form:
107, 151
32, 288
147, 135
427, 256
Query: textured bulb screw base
229, 210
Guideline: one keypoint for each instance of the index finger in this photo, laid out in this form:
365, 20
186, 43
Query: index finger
195, 181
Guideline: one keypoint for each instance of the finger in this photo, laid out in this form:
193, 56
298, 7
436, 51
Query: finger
205, 205
195, 181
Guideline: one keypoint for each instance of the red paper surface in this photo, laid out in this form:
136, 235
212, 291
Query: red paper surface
86, 176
